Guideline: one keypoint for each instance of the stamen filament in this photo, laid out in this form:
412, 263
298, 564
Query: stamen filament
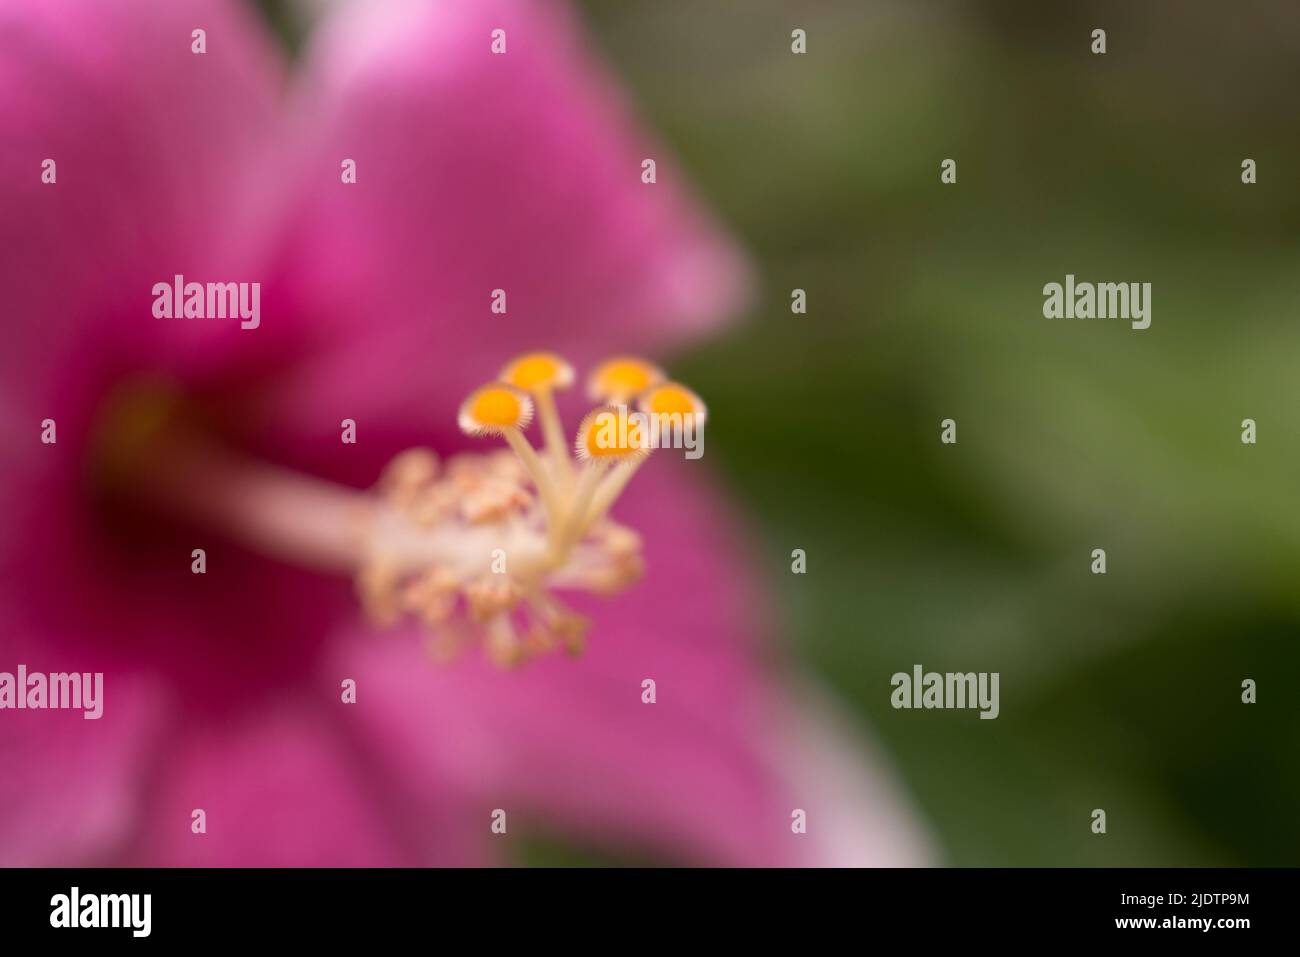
502, 641
536, 471
610, 488
557, 620
573, 525
556, 447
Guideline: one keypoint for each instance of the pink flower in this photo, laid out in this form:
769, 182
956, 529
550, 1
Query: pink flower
474, 172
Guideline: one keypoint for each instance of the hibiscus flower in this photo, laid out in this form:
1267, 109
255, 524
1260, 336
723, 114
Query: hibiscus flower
131, 441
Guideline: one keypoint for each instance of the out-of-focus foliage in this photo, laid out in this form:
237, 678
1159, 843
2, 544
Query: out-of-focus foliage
1120, 691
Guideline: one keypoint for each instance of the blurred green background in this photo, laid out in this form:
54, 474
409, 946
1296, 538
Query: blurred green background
1120, 691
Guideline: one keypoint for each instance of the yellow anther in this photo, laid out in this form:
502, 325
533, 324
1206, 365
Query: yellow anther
495, 409
672, 399
537, 372
501, 409
542, 374
622, 379
610, 434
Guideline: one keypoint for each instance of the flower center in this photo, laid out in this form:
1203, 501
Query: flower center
475, 548
478, 546
472, 544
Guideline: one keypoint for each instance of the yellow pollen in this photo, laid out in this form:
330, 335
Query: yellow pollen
494, 409
538, 370
497, 407
611, 433
622, 378
671, 399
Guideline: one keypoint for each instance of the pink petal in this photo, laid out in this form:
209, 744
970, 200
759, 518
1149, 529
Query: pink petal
478, 172
857, 815
68, 791
153, 145
702, 775
283, 786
